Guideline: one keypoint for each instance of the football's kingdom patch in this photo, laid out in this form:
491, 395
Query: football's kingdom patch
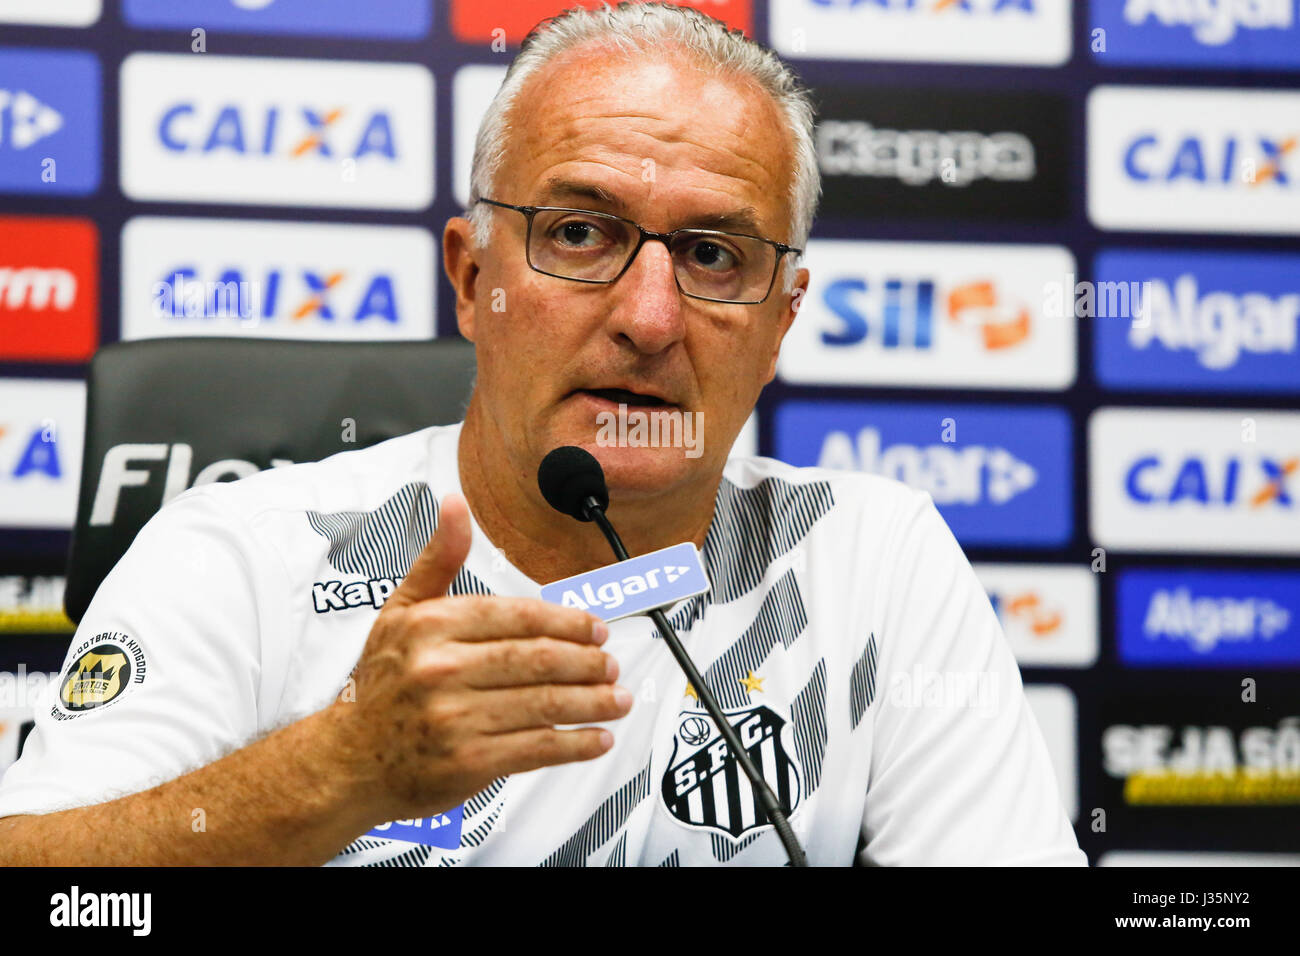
100, 672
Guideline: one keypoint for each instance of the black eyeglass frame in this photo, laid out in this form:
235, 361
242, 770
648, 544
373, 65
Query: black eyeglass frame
530, 211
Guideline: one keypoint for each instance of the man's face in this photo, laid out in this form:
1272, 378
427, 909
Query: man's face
668, 146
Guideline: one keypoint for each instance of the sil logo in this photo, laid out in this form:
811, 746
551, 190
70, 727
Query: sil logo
704, 785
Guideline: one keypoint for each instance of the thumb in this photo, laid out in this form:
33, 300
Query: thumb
435, 567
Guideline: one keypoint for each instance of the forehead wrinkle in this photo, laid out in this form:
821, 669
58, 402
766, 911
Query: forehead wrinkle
573, 116
753, 189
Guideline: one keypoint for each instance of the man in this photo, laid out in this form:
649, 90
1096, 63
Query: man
235, 694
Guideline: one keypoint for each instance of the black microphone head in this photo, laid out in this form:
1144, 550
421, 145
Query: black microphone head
567, 476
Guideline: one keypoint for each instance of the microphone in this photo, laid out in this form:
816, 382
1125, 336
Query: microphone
573, 483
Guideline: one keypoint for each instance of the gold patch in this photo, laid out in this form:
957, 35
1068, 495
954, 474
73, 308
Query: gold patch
97, 677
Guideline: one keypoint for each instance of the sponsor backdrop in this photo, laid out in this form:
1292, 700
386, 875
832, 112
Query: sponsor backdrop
1056, 284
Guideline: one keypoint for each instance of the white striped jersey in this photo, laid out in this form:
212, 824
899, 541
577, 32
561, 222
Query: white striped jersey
845, 637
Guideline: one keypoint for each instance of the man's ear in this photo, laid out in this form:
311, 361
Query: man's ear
786, 319
458, 262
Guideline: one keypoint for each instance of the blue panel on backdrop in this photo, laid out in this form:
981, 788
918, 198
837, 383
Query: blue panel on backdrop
1211, 321
1224, 35
1005, 479
49, 122
1177, 618
389, 19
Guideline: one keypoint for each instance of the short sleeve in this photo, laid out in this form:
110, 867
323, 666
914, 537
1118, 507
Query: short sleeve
162, 675
960, 774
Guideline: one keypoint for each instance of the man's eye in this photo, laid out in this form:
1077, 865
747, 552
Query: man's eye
576, 233
713, 256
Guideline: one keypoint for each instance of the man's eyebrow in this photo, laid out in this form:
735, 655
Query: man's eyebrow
557, 189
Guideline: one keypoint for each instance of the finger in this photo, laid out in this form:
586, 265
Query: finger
538, 660
479, 617
544, 705
435, 567
526, 750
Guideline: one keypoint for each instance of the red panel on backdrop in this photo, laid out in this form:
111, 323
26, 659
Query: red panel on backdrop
49, 289
472, 21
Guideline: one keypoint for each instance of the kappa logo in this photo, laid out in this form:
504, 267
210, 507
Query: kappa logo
329, 596
704, 786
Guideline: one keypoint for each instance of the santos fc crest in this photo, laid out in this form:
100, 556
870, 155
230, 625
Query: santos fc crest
704, 785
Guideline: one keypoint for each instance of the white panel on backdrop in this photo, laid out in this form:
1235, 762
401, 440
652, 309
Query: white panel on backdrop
42, 427
61, 13
277, 131
978, 31
472, 89
933, 314
1194, 160
1166, 479
1056, 711
245, 277
1048, 612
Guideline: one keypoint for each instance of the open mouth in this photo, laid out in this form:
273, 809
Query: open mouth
621, 396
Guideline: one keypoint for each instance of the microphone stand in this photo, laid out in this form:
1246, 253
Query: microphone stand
775, 812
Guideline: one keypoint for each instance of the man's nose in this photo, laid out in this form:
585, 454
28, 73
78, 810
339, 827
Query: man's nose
648, 308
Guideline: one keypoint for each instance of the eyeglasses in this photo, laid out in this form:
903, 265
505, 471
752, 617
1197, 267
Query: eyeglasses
588, 246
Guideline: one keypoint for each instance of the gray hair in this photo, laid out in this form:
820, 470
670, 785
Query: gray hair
645, 28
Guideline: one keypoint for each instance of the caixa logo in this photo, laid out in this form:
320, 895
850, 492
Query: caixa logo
1254, 160
998, 474
285, 295
1247, 481
299, 132
1195, 480
1194, 159
279, 131
121, 470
